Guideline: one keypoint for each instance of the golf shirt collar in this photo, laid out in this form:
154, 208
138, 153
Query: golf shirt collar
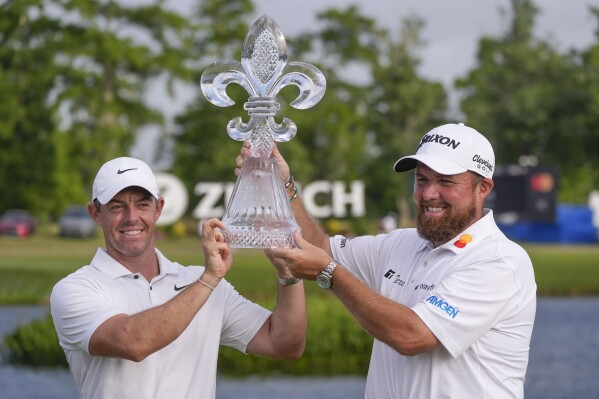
106, 264
473, 235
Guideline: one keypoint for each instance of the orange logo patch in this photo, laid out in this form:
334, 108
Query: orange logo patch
464, 239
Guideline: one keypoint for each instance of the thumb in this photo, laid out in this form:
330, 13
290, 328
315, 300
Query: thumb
299, 240
275, 151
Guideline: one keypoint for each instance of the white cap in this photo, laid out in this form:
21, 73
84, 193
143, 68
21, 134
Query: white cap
120, 173
452, 149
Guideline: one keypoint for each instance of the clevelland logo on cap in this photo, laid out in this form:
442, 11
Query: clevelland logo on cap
452, 149
120, 173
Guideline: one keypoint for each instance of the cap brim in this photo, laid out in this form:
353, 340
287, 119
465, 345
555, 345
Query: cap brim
439, 165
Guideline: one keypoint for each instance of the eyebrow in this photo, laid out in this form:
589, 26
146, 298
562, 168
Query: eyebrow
146, 197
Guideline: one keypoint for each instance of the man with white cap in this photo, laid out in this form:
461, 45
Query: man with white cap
451, 304
135, 325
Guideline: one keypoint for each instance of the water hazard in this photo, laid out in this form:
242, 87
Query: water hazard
564, 363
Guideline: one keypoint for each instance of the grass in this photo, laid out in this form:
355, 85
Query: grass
29, 268
565, 270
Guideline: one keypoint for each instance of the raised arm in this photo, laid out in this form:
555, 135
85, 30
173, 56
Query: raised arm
386, 320
134, 337
283, 335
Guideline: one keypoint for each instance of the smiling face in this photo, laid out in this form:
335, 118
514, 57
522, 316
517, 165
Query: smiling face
128, 222
447, 205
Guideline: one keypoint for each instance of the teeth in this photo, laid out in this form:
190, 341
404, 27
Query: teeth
431, 209
132, 232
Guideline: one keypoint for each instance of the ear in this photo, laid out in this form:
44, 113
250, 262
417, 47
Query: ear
159, 207
93, 212
486, 185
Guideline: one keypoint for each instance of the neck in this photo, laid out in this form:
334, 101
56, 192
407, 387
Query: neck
145, 264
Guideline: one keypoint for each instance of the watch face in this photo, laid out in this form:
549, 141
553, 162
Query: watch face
323, 281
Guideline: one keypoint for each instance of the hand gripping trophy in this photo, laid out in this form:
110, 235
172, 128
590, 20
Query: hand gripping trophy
258, 214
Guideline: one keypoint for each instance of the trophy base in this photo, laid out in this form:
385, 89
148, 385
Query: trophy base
252, 237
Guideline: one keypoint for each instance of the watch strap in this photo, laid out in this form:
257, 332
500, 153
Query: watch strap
325, 278
288, 280
330, 268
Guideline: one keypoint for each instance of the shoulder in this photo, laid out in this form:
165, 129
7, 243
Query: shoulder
397, 237
84, 281
504, 263
79, 276
499, 246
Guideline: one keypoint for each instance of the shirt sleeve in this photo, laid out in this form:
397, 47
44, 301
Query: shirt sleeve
358, 255
78, 309
367, 256
468, 302
242, 319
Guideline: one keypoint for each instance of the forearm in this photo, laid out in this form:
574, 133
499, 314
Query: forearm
284, 333
134, 337
386, 320
312, 231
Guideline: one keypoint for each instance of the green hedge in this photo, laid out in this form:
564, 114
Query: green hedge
34, 344
335, 345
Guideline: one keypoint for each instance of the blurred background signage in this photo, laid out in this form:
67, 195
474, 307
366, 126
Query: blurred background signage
322, 198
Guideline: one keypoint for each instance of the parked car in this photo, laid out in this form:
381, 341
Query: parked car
76, 222
17, 222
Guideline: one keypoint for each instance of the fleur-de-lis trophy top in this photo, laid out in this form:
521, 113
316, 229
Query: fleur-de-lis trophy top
263, 72
258, 214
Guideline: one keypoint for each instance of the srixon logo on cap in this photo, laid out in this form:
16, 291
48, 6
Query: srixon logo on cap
437, 138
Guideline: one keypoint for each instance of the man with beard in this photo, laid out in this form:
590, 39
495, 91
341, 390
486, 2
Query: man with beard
451, 304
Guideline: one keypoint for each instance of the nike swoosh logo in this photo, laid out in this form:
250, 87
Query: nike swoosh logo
180, 288
120, 172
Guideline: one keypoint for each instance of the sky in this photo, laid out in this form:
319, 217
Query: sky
452, 27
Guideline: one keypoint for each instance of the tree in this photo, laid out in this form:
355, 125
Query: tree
527, 98
27, 124
590, 65
75, 73
107, 70
403, 107
203, 150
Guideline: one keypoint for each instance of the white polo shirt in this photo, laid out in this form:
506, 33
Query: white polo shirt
476, 293
186, 368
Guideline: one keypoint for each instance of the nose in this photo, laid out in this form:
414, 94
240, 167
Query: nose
430, 192
132, 213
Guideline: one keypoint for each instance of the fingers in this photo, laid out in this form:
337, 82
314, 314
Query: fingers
275, 152
218, 257
212, 226
283, 167
244, 153
298, 239
277, 262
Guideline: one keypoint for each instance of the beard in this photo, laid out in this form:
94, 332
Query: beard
439, 230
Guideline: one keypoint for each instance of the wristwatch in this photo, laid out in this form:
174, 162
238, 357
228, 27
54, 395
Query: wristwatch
325, 277
288, 280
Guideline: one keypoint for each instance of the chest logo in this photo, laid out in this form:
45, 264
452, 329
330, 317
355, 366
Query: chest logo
181, 287
464, 239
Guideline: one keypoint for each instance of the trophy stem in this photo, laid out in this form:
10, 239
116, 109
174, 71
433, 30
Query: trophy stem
258, 214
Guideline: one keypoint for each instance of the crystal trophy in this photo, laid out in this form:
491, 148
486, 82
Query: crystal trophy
258, 214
